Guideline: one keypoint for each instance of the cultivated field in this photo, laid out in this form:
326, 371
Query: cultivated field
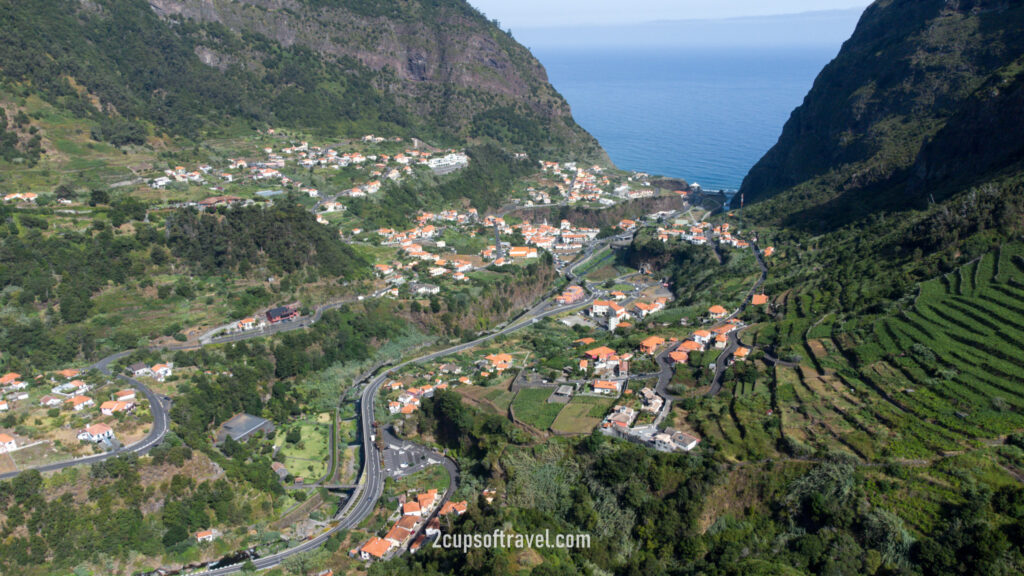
531, 407
941, 376
581, 415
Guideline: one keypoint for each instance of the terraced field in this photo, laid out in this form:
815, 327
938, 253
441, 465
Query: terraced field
944, 375
959, 355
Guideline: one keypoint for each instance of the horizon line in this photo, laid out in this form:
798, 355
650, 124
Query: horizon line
683, 20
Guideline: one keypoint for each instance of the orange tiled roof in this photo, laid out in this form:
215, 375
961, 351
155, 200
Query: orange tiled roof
377, 547
679, 356
9, 377
600, 352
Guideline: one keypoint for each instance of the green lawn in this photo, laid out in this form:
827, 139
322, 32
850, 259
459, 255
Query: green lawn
309, 457
531, 407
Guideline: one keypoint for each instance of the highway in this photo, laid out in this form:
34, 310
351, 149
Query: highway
371, 485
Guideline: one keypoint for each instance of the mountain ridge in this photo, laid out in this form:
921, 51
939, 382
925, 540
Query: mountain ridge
434, 67
880, 122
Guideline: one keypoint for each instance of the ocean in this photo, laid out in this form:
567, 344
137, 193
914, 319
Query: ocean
702, 114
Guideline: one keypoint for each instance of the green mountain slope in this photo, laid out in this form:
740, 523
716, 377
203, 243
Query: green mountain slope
923, 101
435, 68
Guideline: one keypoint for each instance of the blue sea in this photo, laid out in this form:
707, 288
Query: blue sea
702, 114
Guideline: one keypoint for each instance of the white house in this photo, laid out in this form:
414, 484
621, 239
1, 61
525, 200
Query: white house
124, 395
49, 401
140, 369
247, 324
162, 371
80, 403
426, 289
7, 443
702, 337
433, 528
96, 433
606, 387
111, 407
685, 441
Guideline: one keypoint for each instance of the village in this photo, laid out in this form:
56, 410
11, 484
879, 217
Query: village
607, 356
269, 166
72, 412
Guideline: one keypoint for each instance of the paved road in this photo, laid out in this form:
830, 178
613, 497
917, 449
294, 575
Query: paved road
730, 348
665, 372
371, 485
158, 408
777, 361
721, 363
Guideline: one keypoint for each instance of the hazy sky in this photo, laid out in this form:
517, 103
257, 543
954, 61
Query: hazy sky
518, 14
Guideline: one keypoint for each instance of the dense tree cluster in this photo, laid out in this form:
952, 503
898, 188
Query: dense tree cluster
148, 71
63, 532
235, 239
69, 268
12, 146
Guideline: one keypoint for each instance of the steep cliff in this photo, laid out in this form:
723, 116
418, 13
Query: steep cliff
922, 101
436, 67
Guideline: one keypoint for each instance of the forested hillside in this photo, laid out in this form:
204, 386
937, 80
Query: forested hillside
922, 102
189, 69
59, 274
905, 159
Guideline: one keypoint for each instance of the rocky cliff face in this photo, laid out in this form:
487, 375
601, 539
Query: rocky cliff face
433, 68
923, 99
439, 58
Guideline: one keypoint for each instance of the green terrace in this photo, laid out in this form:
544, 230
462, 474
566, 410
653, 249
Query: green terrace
940, 376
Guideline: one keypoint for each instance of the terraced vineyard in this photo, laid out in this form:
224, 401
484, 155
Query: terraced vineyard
959, 357
944, 375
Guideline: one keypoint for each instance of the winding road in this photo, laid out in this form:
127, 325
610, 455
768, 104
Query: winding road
371, 484
159, 408
722, 362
